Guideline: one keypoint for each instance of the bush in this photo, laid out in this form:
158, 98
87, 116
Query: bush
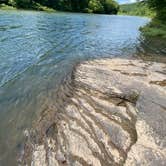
95, 6
87, 10
111, 7
24, 4
159, 6
161, 14
155, 28
12, 3
6, 7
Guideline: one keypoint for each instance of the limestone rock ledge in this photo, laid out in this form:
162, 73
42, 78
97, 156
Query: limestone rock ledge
112, 112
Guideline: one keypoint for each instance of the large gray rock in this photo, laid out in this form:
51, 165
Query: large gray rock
113, 112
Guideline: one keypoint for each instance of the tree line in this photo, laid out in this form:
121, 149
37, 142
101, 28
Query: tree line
152, 8
136, 9
157, 27
159, 6
87, 6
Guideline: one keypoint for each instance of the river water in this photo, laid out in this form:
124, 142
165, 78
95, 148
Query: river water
38, 51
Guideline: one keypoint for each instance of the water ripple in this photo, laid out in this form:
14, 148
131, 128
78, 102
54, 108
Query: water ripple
38, 51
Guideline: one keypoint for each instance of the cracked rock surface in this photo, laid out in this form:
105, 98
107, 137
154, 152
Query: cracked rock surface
111, 112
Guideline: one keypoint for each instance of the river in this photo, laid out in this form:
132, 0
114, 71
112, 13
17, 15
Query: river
38, 51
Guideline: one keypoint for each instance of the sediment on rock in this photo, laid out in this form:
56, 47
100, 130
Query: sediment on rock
111, 112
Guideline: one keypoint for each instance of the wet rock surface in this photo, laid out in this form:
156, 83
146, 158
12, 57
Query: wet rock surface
111, 112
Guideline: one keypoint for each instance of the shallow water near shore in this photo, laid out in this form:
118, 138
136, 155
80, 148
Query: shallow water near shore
38, 51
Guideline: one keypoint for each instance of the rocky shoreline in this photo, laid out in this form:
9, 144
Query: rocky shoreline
110, 112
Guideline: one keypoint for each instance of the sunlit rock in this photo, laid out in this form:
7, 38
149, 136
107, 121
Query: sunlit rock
111, 112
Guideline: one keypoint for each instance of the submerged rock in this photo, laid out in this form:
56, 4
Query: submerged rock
112, 112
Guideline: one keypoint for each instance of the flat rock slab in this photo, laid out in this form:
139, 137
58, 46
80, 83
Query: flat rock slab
112, 112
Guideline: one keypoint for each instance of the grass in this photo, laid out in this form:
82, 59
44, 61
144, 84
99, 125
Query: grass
36, 7
155, 28
7, 7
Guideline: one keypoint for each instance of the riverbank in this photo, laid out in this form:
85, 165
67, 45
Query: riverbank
35, 7
155, 28
91, 6
110, 112
7, 7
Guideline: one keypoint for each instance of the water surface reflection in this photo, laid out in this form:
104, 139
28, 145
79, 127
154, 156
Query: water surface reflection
38, 51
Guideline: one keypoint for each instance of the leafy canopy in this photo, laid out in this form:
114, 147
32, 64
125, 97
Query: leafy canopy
92, 6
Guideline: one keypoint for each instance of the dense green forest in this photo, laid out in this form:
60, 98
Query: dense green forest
136, 9
155, 9
87, 6
157, 27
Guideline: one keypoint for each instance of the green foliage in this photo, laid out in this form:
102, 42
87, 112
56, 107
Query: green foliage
155, 9
95, 6
3, 1
89, 6
12, 3
24, 3
103, 6
155, 28
111, 7
6, 7
138, 9
39, 7
159, 6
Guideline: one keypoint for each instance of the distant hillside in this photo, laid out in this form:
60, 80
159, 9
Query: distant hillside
138, 9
